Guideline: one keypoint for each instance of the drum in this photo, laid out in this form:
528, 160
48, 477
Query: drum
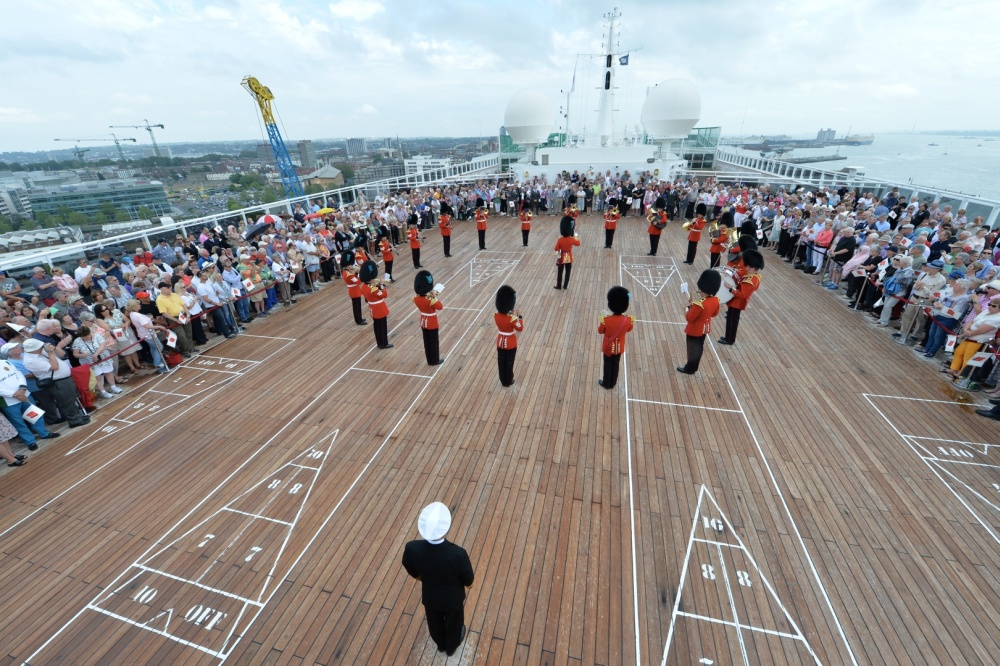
728, 282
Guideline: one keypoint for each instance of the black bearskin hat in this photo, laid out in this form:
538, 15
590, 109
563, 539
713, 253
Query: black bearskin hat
618, 299
346, 259
700, 209
727, 219
506, 299
748, 228
747, 242
753, 259
362, 239
710, 282
567, 226
369, 271
423, 283
480, 203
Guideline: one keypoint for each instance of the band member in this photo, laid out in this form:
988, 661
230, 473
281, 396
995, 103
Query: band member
657, 222
509, 321
525, 225
743, 244
444, 571
375, 292
349, 273
614, 327
428, 304
699, 318
753, 262
718, 246
611, 218
694, 228
572, 211
444, 222
387, 257
413, 234
360, 255
481, 216
564, 250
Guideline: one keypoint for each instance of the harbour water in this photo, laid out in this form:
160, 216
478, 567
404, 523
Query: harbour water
968, 165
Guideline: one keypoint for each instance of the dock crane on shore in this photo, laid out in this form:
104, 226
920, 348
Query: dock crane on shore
265, 98
79, 152
148, 128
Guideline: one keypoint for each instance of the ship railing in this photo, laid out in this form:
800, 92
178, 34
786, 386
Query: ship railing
813, 178
461, 173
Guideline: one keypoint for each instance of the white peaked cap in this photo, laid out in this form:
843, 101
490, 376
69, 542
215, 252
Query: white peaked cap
434, 522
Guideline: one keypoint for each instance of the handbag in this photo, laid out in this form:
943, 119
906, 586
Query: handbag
46, 382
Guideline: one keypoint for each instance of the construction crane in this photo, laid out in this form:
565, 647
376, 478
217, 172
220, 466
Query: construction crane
114, 137
264, 98
148, 128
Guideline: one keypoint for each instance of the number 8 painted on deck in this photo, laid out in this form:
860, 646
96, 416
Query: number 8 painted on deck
708, 571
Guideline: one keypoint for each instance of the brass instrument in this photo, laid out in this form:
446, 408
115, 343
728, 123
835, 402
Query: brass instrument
713, 231
651, 216
529, 215
687, 225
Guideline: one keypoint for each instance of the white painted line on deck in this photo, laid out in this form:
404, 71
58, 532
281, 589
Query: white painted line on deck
678, 404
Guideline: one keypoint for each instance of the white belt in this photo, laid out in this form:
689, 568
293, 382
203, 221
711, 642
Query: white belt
506, 334
370, 303
424, 314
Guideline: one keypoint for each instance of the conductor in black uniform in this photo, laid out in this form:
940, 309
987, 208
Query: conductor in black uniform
445, 571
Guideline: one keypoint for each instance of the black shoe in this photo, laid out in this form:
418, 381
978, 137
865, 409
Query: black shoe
440, 361
19, 457
447, 255
995, 401
600, 382
557, 287
988, 413
651, 254
362, 322
681, 369
18, 463
32, 447
723, 341
440, 648
77, 425
388, 346
51, 435
687, 262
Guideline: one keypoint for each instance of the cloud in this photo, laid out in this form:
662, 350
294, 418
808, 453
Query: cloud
13, 114
357, 10
367, 109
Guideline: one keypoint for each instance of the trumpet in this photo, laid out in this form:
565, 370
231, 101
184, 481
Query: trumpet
651, 216
687, 225
713, 231
529, 215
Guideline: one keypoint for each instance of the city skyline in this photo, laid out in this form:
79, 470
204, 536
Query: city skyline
358, 68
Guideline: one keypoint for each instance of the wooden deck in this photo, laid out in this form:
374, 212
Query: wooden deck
814, 495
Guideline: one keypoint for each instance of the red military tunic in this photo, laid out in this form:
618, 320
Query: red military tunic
573, 212
353, 284
481, 216
360, 256
694, 231
743, 291
376, 300
507, 327
564, 246
739, 266
414, 235
614, 328
719, 244
699, 316
429, 308
611, 220
386, 248
525, 221
445, 224
653, 229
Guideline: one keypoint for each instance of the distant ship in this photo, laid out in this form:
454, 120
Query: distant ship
931, 144
858, 140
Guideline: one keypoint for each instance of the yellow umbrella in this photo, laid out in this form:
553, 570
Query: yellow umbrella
324, 211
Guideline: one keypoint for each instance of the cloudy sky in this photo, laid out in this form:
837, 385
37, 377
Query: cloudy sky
70, 68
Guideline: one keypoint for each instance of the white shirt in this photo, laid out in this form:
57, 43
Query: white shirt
207, 294
82, 272
11, 380
37, 363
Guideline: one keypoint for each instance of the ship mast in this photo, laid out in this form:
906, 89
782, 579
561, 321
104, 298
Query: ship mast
604, 117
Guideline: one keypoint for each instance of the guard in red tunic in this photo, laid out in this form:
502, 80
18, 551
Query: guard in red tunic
694, 232
525, 225
611, 218
375, 292
444, 222
564, 250
720, 241
735, 262
754, 262
657, 222
349, 273
360, 255
481, 215
387, 257
614, 327
428, 304
509, 321
699, 318
413, 235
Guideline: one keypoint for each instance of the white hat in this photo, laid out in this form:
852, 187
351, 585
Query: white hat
7, 347
32, 345
434, 522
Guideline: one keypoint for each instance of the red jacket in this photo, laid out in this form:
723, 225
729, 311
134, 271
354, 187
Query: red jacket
353, 284
376, 300
719, 244
564, 246
481, 216
414, 235
611, 220
386, 248
614, 328
743, 291
525, 221
428, 311
699, 316
507, 327
445, 224
653, 231
694, 231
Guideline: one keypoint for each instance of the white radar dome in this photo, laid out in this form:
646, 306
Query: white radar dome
671, 109
530, 117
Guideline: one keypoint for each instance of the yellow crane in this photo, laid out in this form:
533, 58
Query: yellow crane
265, 99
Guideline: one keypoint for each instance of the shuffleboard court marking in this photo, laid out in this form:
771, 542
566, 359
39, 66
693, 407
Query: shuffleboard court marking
686, 406
739, 583
486, 265
649, 272
946, 460
234, 472
972, 445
